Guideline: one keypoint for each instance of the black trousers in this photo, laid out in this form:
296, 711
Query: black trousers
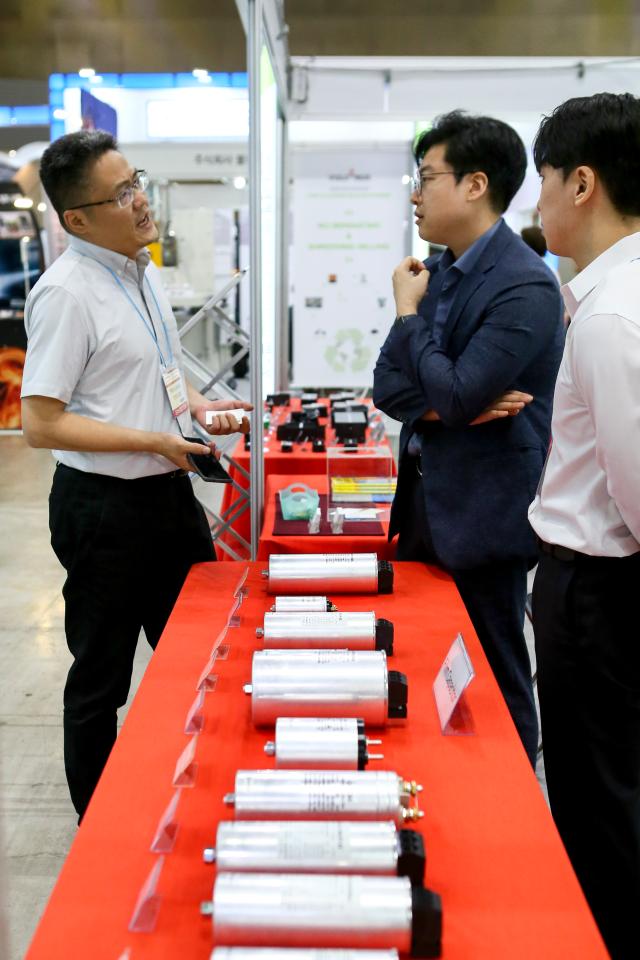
588, 648
127, 546
494, 595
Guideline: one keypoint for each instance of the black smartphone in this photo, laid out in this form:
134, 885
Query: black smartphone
207, 466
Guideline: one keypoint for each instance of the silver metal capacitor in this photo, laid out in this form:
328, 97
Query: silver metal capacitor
306, 573
325, 683
321, 743
266, 909
318, 846
324, 795
349, 630
302, 605
298, 953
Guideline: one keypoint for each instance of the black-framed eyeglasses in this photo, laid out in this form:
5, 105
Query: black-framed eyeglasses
420, 180
124, 198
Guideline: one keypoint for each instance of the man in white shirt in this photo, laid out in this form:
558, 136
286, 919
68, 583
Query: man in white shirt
104, 389
587, 509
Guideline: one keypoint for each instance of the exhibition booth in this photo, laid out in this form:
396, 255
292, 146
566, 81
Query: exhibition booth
282, 197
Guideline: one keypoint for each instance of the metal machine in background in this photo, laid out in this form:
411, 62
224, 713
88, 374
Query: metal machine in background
21, 263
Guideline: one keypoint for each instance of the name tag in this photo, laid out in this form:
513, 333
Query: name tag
174, 385
454, 676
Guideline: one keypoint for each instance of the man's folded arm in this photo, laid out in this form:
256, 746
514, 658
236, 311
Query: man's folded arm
519, 324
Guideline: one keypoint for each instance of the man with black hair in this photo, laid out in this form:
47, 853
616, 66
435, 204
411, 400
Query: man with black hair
104, 389
468, 368
587, 510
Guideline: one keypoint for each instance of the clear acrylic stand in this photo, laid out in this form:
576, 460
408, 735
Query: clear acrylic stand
165, 836
195, 717
241, 590
145, 912
234, 619
454, 676
186, 767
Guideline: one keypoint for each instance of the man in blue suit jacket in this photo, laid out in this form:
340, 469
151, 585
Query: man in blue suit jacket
469, 368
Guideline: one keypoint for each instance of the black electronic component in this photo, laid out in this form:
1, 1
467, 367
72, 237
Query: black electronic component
286, 446
350, 425
412, 856
349, 407
318, 445
385, 576
278, 399
426, 932
398, 695
384, 636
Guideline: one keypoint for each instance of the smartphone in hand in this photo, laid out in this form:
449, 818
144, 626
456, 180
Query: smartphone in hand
207, 466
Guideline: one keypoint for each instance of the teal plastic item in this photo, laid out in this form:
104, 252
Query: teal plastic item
299, 502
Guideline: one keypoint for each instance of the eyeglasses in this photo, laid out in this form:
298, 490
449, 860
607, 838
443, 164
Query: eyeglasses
420, 180
125, 197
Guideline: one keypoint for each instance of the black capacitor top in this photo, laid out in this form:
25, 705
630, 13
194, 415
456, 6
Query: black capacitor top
384, 636
426, 923
412, 857
398, 695
385, 576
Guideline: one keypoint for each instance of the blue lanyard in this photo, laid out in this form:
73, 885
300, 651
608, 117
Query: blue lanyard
150, 328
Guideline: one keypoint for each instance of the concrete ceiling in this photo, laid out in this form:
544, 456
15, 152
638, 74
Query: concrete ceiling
39, 37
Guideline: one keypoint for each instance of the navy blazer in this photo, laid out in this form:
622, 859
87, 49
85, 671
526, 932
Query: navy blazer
504, 331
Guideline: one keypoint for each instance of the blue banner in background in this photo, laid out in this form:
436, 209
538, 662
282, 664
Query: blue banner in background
97, 115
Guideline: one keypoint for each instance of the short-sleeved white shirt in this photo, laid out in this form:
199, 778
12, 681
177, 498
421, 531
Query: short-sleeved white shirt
90, 348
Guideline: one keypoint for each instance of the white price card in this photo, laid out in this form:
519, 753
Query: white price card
454, 676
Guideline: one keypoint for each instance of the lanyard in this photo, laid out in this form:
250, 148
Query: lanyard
150, 328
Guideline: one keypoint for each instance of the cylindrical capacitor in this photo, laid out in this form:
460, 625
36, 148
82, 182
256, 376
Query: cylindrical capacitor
325, 683
266, 909
322, 846
330, 631
320, 743
301, 953
329, 573
323, 795
302, 605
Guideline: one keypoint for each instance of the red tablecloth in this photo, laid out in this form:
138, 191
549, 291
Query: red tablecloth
270, 543
302, 460
507, 888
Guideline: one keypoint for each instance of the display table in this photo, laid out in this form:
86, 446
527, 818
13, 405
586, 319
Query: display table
343, 543
494, 855
302, 460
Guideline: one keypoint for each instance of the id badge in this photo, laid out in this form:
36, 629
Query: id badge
174, 386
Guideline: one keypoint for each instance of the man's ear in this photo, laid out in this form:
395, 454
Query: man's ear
76, 221
584, 181
478, 185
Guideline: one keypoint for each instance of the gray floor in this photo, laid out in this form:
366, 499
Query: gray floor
36, 817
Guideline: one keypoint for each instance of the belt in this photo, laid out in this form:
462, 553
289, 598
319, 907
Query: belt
105, 479
559, 552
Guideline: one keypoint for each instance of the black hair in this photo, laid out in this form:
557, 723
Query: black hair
601, 132
534, 238
65, 166
479, 144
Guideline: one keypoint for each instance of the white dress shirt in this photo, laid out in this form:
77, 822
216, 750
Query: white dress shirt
90, 348
589, 496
